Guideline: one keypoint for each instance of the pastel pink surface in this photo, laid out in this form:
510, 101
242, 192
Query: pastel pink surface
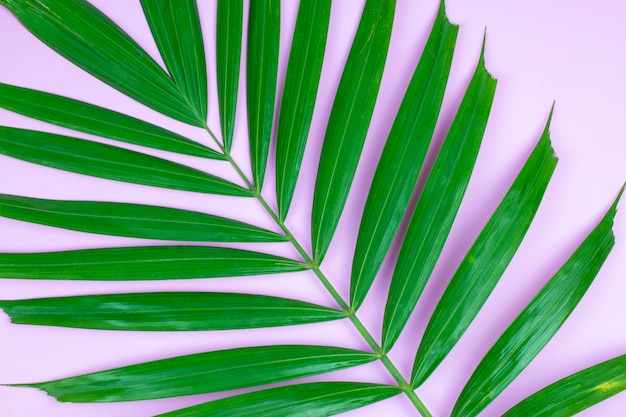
572, 52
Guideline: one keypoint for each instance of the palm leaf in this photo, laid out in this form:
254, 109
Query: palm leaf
228, 54
81, 33
402, 157
202, 373
486, 261
438, 203
110, 162
539, 321
346, 96
167, 311
349, 121
301, 84
132, 220
304, 400
577, 392
143, 263
175, 26
85, 117
263, 41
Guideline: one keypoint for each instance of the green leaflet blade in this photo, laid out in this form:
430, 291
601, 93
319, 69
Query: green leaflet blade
132, 220
228, 56
175, 26
203, 373
538, 322
167, 311
349, 121
317, 399
486, 261
576, 392
402, 157
85, 117
143, 263
263, 43
110, 162
301, 84
437, 206
82, 34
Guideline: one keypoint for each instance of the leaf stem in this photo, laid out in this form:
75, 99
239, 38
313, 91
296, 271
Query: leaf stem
367, 336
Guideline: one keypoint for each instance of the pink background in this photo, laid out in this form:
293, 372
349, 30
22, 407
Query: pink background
569, 51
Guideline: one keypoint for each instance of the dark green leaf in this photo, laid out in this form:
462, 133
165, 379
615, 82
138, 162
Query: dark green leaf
175, 26
167, 311
575, 393
538, 322
318, 399
228, 56
82, 34
349, 121
438, 204
143, 263
301, 84
402, 157
263, 43
486, 261
106, 161
203, 373
85, 117
132, 220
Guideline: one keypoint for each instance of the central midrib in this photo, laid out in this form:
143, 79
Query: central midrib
356, 322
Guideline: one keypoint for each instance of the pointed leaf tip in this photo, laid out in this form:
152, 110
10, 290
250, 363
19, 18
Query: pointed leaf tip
485, 263
539, 321
438, 204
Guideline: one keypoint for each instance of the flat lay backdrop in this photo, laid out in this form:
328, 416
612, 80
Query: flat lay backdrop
572, 51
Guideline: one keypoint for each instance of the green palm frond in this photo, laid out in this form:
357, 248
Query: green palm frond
205, 170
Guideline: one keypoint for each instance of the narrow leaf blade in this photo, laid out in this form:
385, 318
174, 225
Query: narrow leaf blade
110, 162
301, 83
576, 392
85, 117
132, 220
143, 263
262, 61
349, 121
317, 399
438, 204
486, 261
402, 157
167, 311
82, 34
538, 322
175, 26
204, 373
228, 57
